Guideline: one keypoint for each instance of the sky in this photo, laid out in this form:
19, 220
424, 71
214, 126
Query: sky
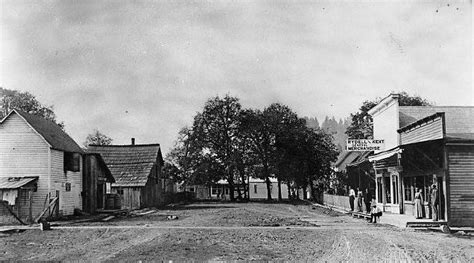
143, 69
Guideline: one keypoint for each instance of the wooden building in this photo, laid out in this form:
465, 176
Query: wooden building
40, 167
96, 176
137, 170
425, 145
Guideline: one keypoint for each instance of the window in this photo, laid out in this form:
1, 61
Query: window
379, 189
395, 189
108, 188
120, 191
214, 191
408, 186
191, 189
386, 182
72, 162
68, 187
227, 191
254, 188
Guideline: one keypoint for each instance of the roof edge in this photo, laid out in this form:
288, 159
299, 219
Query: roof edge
125, 145
383, 103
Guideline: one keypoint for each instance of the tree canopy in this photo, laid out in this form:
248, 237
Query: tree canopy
97, 138
231, 143
27, 102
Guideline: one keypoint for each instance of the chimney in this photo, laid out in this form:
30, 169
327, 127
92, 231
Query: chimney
133, 141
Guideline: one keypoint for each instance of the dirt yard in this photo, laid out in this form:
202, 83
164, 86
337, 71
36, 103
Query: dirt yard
224, 231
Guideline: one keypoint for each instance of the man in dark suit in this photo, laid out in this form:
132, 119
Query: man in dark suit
435, 202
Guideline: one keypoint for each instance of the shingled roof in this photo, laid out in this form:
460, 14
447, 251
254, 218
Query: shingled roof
129, 164
50, 131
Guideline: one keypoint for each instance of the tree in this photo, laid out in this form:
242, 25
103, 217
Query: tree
256, 129
97, 138
25, 101
285, 126
216, 129
361, 126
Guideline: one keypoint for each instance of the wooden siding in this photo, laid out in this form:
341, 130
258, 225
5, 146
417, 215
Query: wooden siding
24, 153
461, 180
131, 197
94, 178
68, 200
433, 130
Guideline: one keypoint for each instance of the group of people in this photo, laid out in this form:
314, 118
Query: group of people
375, 212
367, 199
433, 203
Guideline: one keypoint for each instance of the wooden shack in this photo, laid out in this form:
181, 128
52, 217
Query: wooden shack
96, 176
137, 170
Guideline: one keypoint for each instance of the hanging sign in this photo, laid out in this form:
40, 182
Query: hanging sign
365, 145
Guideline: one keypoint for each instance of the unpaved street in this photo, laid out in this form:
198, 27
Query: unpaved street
224, 231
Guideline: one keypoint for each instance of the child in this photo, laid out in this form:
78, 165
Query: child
375, 212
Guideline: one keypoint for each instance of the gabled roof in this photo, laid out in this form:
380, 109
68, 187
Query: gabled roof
459, 119
50, 131
361, 158
108, 173
345, 158
129, 164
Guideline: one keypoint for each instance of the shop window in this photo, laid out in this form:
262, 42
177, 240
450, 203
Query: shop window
386, 181
408, 187
395, 189
379, 189
72, 162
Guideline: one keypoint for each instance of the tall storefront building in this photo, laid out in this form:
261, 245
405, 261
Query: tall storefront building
425, 146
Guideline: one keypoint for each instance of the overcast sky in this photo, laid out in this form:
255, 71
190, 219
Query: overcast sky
143, 68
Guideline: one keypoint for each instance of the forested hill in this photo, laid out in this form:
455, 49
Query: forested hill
331, 126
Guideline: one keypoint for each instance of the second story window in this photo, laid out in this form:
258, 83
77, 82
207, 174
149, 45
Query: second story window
72, 162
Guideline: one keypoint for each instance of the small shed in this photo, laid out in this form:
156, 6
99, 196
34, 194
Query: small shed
137, 169
96, 176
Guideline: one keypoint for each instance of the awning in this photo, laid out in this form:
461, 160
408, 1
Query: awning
385, 154
15, 182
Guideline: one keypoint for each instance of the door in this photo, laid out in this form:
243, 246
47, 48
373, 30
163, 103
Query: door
100, 196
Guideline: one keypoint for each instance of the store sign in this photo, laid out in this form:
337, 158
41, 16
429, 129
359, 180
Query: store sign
365, 145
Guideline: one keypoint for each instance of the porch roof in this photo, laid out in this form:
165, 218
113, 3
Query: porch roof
15, 182
385, 154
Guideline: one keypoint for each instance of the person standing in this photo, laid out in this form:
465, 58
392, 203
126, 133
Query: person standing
351, 198
419, 204
359, 200
367, 200
435, 202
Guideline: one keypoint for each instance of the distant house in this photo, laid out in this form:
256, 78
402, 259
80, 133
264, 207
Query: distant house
40, 167
96, 177
257, 190
137, 170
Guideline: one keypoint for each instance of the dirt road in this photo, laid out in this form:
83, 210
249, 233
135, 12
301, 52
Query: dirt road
224, 231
